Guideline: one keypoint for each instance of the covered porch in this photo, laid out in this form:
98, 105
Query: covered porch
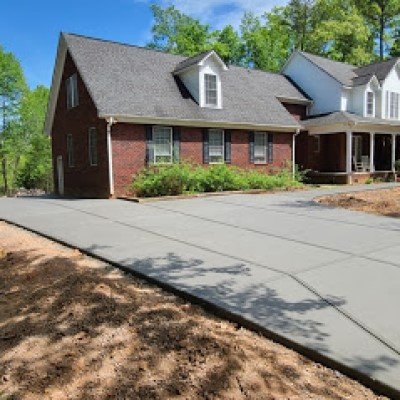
356, 152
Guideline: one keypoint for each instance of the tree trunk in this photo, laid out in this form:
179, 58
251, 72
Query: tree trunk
4, 172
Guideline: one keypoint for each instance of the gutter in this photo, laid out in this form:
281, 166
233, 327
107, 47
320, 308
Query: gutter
110, 122
294, 152
198, 123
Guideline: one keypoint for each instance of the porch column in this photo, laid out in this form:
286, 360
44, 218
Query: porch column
349, 154
393, 152
371, 152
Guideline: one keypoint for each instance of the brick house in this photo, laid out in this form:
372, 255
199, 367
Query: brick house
116, 108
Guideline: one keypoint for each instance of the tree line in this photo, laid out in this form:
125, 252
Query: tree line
352, 31
25, 155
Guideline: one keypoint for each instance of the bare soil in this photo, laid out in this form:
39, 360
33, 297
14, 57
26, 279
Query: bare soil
382, 202
72, 327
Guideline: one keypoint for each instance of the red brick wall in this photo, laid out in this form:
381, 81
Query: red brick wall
129, 154
82, 179
298, 111
129, 151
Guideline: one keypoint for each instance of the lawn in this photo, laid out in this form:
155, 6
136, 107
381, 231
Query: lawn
382, 202
72, 327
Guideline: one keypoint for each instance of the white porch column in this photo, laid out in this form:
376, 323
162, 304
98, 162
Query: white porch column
349, 154
393, 152
371, 151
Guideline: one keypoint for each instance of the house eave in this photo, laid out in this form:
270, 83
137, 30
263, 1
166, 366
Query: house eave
200, 123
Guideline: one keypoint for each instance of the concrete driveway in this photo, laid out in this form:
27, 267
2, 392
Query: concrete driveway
325, 279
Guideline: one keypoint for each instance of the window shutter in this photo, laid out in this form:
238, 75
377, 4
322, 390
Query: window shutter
177, 144
227, 147
149, 145
251, 147
206, 154
270, 147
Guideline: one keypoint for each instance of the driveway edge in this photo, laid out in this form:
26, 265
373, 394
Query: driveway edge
377, 386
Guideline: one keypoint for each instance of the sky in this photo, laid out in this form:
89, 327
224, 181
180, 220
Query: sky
30, 28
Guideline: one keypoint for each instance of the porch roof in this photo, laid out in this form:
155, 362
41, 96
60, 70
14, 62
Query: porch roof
341, 121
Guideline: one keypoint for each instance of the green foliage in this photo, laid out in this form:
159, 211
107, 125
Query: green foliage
343, 30
24, 150
36, 172
184, 178
397, 165
382, 17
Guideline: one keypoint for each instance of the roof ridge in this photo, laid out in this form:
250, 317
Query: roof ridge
121, 43
328, 59
182, 57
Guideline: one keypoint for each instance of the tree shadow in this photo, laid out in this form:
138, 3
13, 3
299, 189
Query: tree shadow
75, 329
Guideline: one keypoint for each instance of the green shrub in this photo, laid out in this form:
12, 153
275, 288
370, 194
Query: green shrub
397, 166
175, 179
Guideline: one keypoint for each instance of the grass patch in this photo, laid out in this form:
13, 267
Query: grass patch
186, 178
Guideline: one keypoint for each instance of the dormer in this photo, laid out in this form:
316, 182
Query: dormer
201, 76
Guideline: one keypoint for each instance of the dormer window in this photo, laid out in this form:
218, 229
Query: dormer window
72, 91
202, 77
211, 90
370, 106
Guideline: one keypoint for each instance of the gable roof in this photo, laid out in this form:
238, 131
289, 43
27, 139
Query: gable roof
342, 72
350, 75
344, 117
127, 81
198, 59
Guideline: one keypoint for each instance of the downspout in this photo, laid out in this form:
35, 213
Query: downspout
110, 122
294, 153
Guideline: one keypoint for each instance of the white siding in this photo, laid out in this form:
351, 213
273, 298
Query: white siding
392, 84
210, 67
190, 79
324, 90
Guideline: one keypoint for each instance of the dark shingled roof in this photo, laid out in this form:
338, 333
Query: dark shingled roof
350, 75
344, 117
188, 62
132, 81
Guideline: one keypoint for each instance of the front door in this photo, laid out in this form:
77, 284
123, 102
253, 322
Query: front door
60, 175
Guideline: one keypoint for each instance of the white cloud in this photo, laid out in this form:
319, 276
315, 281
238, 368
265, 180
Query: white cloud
219, 13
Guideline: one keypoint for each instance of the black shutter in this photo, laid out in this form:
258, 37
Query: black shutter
177, 144
149, 145
206, 155
227, 147
270, 147
251, 147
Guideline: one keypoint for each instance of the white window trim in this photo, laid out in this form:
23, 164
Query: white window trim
70, 150
265, 161
367, 103
92, 164
171, 147
223, 147
389, 105
72, 91
216, 90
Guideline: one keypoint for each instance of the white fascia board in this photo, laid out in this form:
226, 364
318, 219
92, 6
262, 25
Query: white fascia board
201, 123
55, 84
216, 57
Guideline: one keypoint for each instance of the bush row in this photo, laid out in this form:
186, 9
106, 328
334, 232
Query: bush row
176, 179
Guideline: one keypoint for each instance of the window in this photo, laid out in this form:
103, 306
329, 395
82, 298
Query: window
260, 147
394, 105
210, 84
70, 150
370, 104
72, 91
162, 142
92, 146
317, 144
216, 146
